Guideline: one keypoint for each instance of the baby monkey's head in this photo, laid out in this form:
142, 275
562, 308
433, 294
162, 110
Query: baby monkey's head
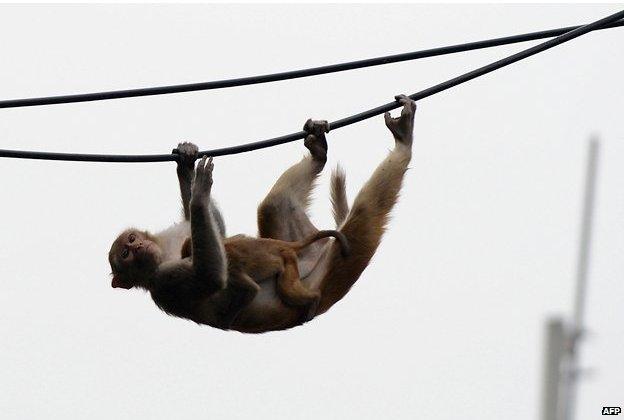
134, 258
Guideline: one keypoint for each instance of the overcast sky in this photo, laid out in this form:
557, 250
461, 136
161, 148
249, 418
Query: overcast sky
448, 320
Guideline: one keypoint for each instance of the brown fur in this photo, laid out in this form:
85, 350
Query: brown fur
223, 283
338, 194
365, 223
262, 258
364, 227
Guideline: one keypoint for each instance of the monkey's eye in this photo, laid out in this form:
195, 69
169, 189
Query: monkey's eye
125, 253
132, 238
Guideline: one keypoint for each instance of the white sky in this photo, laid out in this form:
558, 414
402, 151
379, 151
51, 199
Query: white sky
448, 320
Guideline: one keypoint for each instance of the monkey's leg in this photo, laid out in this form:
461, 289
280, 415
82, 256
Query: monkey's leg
282, 214
367, 219
292, 291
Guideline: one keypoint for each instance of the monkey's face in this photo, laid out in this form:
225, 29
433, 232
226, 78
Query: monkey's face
134, 258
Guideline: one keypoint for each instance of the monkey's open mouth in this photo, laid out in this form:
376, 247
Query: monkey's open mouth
119, 283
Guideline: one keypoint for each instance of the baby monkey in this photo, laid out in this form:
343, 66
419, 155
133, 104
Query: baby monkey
253, 260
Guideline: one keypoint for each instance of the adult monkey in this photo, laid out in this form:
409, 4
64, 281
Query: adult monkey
282, 215
202, 289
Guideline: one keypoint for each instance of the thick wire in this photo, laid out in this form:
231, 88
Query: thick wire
336, 124
295, 74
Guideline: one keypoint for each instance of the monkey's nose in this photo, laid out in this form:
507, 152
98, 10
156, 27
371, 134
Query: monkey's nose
137, 247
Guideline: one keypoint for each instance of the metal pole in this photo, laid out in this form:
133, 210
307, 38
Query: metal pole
554, 354
577, 327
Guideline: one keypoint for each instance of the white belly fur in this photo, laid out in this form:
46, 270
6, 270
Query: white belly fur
172, 239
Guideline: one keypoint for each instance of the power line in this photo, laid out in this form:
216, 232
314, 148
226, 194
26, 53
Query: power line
295, 74
334, 125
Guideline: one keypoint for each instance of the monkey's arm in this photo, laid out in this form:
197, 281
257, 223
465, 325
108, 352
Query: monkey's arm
187, 153
209, 260
186, 164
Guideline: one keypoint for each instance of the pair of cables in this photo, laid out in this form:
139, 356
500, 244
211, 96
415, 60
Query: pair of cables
561, 35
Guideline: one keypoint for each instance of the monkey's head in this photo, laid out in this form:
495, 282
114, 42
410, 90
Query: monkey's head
134, 259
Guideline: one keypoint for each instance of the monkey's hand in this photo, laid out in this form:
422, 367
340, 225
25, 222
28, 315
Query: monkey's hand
315, 139
187, 155
402, 128
202, 183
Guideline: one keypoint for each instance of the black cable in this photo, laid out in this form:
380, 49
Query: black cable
295, 74
335, 125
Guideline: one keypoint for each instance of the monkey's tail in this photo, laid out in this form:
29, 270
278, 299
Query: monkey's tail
345, 249
338, 191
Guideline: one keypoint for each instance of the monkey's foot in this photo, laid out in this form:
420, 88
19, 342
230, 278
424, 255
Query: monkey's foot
188, 154
310, 312
402, 128
315, 140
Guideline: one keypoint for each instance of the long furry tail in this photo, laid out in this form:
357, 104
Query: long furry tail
340, 206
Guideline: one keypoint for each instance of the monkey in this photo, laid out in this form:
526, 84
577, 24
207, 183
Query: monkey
140, 259
258, 259
199, 288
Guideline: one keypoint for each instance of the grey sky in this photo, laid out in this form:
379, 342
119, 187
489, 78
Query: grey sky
446, 323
